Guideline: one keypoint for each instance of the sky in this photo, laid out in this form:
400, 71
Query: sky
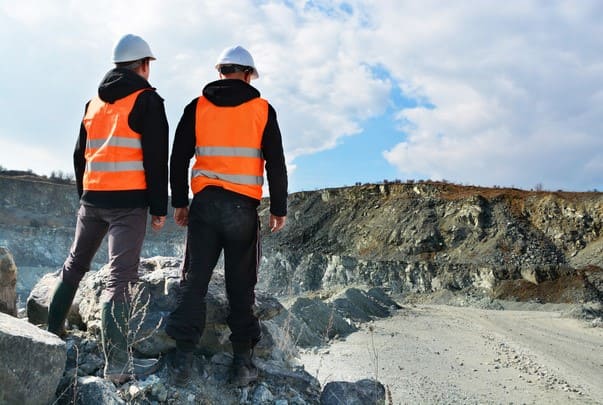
484, 93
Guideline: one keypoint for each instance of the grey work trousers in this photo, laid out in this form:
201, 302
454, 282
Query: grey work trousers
125, 229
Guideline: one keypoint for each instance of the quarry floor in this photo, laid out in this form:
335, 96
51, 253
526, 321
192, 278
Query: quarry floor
439, 354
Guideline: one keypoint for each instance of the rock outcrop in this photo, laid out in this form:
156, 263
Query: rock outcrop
32, 363
304, 322
343, 251
37, 225
406, 237
153, 299
359, 393
426, 237
8, 282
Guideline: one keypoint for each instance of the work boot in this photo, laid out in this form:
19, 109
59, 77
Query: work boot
179, 367
243, 371
59, 308
120, 364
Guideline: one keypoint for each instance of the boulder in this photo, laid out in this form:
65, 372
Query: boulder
32, 361
39, 300
321, 318
298, 332
363, 392
379, 295
153, 299
90, 390
8, 283
308, 322
359, 305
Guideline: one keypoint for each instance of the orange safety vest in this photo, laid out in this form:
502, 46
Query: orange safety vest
113, 149
229, 147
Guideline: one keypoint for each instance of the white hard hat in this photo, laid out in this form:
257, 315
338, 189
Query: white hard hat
130, 48
237, 55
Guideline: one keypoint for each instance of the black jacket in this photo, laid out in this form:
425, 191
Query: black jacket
228, 93
148, 118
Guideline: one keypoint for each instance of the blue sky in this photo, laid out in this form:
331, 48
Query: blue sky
475, 93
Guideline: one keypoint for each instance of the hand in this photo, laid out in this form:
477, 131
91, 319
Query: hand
277, 223
181, 216
157, 222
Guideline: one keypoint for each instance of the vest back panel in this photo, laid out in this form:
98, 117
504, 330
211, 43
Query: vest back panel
114, 158
229, 147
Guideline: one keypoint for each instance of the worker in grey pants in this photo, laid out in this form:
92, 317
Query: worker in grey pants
121, 172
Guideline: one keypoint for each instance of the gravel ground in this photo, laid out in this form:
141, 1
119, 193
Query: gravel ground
439, 354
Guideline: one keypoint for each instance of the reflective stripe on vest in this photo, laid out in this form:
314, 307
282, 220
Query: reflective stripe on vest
114, 166
114, 158
224, 151
115, 140
229, 147
233, 178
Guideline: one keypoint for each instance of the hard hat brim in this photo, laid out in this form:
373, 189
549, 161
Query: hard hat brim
134, 60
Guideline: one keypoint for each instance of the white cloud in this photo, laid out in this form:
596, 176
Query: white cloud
512, 87
508, 93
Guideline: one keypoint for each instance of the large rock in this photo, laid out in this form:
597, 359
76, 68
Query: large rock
321, 318
90, 390
310, 322
363, 392
280, 379
32, 362
40, 297
359, 306
8, 282
153, 300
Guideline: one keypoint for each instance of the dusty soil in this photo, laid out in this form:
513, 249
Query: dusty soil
444, 354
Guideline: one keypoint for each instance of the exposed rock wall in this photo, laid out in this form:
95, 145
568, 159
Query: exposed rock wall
420, 237
431, 236
37, 225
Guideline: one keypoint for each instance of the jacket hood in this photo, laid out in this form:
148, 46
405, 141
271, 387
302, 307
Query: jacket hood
119, 83
229, 92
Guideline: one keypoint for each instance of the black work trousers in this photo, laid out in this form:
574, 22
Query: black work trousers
219, 220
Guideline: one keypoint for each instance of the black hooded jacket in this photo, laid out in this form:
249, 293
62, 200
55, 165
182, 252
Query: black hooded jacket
148, 118
228, 93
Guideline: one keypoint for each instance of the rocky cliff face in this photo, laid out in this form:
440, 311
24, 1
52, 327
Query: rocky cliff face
427, 237
37, 221
37, 224
423, 237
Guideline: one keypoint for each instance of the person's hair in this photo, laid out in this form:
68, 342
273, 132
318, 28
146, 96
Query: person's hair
233, 68
131, 65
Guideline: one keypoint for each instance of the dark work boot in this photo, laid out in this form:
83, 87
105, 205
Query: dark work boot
180, 365
120, 364
59, 307
243, 371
